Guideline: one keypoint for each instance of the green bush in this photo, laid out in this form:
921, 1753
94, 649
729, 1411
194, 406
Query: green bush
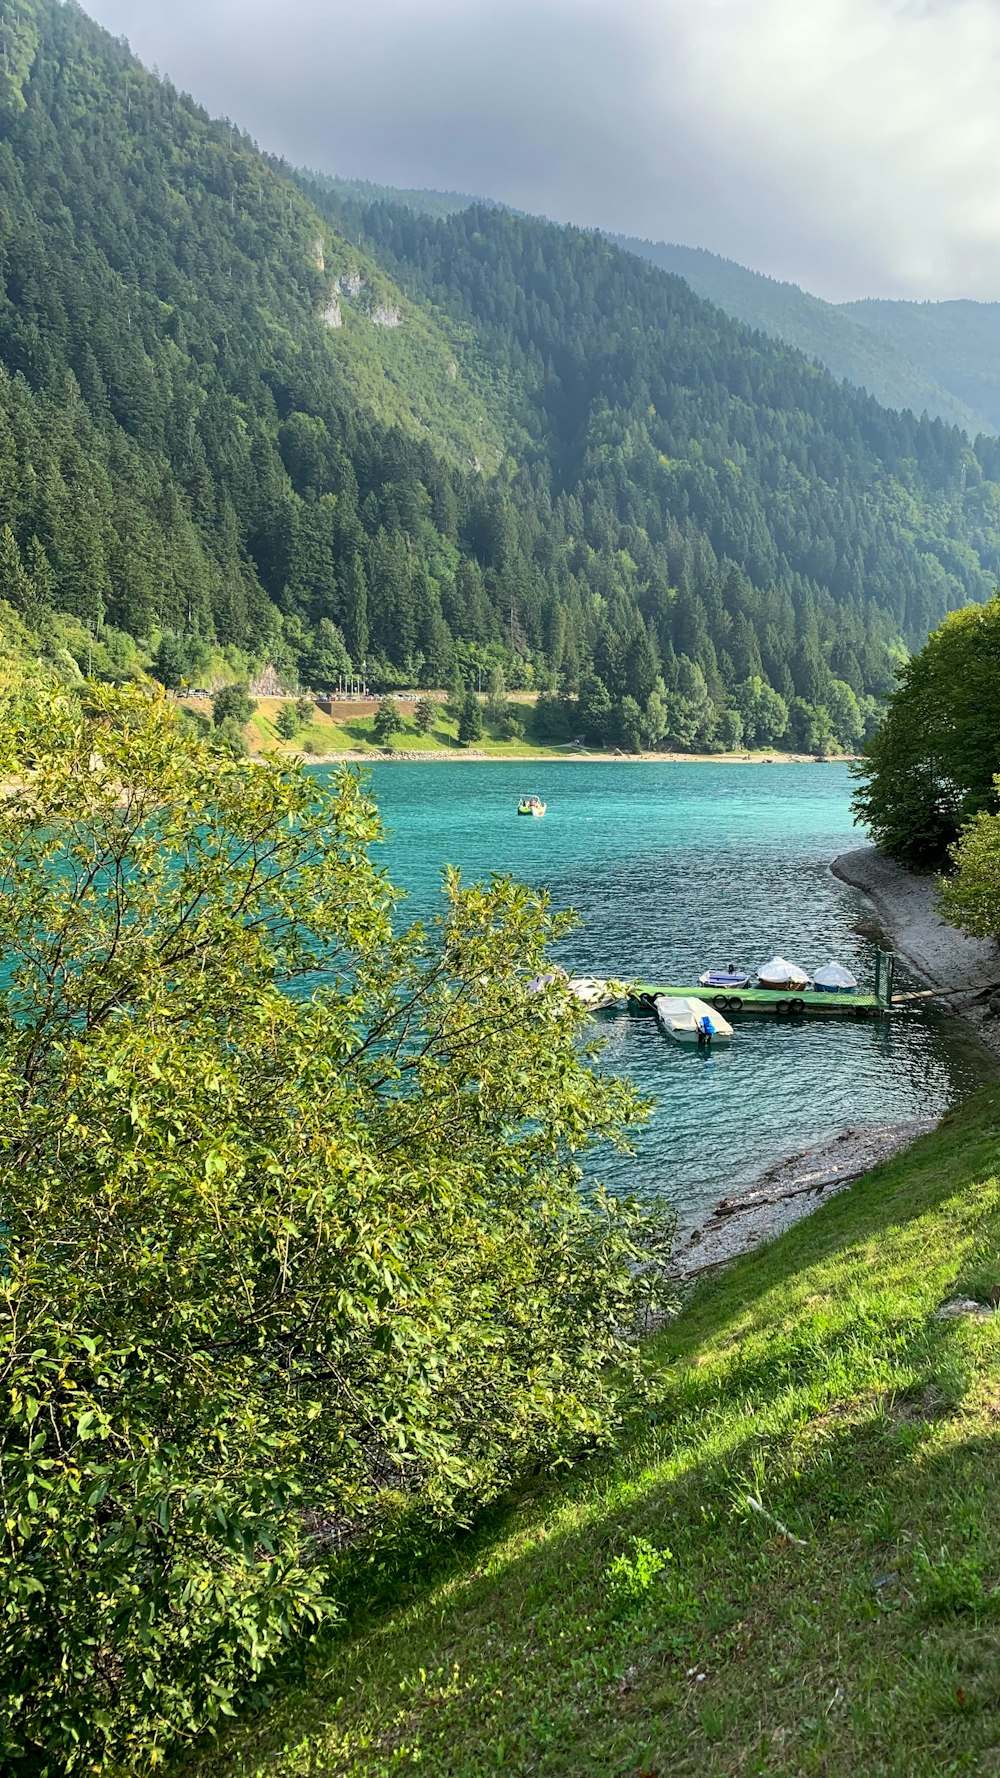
283, 1271
233, 704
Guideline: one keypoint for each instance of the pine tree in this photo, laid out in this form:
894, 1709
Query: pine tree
470, 725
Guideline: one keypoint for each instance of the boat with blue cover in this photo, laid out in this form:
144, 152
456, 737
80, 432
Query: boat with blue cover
730, 977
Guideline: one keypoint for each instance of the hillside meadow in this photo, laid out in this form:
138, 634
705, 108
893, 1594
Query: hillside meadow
792, 1566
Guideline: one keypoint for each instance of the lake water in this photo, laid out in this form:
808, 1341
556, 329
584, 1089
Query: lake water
674, 868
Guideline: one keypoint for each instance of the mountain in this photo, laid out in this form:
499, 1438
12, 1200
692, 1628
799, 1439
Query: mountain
956, 343
667, 422
258, 416
934, 357
191, 354
939, 357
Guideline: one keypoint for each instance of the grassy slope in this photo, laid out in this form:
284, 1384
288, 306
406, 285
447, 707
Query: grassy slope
325, 735
812, 1376
354, 734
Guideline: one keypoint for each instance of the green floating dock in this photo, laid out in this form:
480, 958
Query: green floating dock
768, 1000
784, 1002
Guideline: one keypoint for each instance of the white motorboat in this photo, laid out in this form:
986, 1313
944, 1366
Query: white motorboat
688, 1020
779, 973
833, 978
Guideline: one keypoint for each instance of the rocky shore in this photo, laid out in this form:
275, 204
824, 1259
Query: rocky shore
965, 970
787, 1192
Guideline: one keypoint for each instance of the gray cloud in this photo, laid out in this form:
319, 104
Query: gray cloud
850, 145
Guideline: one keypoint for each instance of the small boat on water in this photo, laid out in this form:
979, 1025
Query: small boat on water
724, 978
531, 805
689, 1020
595, 993
833, 978
779, 973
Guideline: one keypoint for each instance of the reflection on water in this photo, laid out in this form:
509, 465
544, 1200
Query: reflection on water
674, 868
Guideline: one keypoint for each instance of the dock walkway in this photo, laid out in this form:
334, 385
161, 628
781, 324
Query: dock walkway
807, 1003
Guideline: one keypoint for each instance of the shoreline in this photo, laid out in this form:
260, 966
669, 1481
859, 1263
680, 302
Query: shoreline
788, 1191
469, 756
964, 969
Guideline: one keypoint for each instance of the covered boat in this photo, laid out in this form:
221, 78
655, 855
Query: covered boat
779, 973
724, 978
688, 1020
594, 992
531, 805
833, 978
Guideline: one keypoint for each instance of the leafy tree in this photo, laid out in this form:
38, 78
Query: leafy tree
763, 711
388, 721
470, 723
233, 704
809, 727
627, 720
727, 734
969, 895
656, 716
170, 662
845, 714
932, 764
230, 739
593, 714
282, 1271
327, 660
553, 718
305, 709
425, 715
288, 722
690, 711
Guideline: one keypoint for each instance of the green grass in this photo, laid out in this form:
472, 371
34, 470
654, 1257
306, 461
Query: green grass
641, 1617
325, 735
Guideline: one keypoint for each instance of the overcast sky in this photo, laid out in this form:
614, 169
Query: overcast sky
850, 145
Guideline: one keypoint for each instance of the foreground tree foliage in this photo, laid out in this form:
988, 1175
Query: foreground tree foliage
970, 894
295, 1255
932, 764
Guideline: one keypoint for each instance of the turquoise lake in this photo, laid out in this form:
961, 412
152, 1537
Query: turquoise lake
674, 868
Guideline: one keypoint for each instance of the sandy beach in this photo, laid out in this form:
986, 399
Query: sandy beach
578, 755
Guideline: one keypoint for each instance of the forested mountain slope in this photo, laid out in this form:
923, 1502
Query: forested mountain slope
470, 440
941, 357
203, 382
938, 357
956, 343
762, 519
